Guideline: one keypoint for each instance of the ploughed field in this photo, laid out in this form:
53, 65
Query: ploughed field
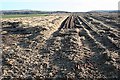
74, 47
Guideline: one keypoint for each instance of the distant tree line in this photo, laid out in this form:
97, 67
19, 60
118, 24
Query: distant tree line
30, 12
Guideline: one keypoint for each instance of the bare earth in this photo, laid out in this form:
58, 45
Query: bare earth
86, 46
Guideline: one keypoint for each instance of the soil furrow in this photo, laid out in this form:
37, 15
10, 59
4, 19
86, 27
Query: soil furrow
101, 39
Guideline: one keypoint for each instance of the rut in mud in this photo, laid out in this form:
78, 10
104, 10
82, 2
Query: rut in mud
78, 51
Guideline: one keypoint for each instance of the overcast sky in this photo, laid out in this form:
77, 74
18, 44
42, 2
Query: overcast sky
59, 5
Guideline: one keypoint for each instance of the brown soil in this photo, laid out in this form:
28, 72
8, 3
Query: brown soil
82, 47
